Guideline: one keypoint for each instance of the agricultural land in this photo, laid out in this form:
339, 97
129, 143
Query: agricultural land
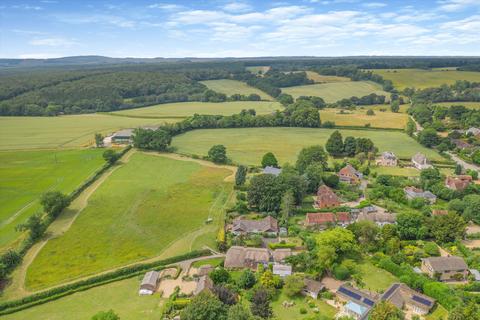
231, 87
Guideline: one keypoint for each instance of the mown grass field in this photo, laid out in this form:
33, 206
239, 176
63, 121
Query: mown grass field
248, 145
359, 117
64, 131
334, 91
121, 296
318, 78
420, 79
26, 175
143, 207
230, 87
470, 105
185, 109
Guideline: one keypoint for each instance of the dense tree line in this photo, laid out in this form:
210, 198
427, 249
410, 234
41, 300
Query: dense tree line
459, 91
362, 101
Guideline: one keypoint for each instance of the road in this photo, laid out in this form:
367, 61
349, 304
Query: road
463, 163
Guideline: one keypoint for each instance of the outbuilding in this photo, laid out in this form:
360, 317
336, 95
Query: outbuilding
149, 283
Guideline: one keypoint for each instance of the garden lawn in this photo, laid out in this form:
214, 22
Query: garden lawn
420, 79
214, 262
439, 313
64, 131
121, 296
396, 171
335, 91
248, 145
376, 279
26, 175
142, 208
186, 109
231, 87
360, 118
281, 313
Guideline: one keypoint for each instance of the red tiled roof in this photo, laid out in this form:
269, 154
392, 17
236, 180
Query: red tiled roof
326, 197
320, 218
343, 216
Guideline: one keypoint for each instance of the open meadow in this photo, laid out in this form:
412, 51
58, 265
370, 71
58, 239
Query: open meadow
63, 131
334, 91
143, 207
26, 175
258, 69
470, 105
318, 78
230, 87
186, 109
359, 117
248, 145
420, 78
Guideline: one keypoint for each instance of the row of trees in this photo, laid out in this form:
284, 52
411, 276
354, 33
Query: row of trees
351, 146
459, 91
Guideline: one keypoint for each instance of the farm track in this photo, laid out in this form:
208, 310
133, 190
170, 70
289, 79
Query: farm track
17, 288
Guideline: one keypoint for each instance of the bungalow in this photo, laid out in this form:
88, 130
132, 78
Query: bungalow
266, 225
282, 270
326, 198
350, 175
420, 161
404, 297
204, 283
387, 159
123, 136
312, 288
445, 268
412, 193
458, 183
279, 255
243, 257
358, 302
272, 170
149, 283
379, 218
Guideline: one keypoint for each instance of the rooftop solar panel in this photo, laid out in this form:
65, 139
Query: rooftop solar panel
350, 293
368, 302
421, 300
389, 292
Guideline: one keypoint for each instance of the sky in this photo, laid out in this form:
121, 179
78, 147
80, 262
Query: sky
222, 28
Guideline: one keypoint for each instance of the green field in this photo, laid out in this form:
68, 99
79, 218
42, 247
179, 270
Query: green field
420, 79
318, 78
26, 175
231, 87
334, 91
121, 296
359, 117
65, 131
470, 105
376, 279
185, 109
142, 208
248, 145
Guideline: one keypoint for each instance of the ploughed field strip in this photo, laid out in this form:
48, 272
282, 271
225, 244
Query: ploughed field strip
135, 214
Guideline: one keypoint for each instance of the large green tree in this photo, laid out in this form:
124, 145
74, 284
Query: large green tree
385, 310
54, 202
269, 160
350, 146
313, 174
448, 228
265, 193
205, 306
218, 154
260, 305
239, 312
334, 145
410, 226
428, 137
240, 175
310, 155
293, 285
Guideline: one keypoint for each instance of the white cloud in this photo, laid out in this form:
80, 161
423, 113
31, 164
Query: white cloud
457, 5
166, 6
52, 42
467, 25
237, 7
105, 19
27, 7
374, 5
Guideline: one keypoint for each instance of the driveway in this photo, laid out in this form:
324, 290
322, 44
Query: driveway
463, 163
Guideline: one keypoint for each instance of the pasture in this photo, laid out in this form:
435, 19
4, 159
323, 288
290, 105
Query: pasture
121, 296
186, 109
248, 145
359, 117
318, 78
145, 206
421, 79
63, 131
334, 91
470, 105
26, 175
230, 87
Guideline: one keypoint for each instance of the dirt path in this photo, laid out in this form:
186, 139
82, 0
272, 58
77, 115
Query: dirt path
16, 288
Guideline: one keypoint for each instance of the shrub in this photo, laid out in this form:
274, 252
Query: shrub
303, 310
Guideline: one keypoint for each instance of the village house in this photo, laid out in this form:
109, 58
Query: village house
358, 302
149, 283
243, 257
458, 183
282, 270
408, 299
379, 218
420, 161
312, 288
387, 159
343, 219
326, 198
350, 175
412, 193
272, 170
279, 255
445, 268
123, 137
268, 225
460, 144
473, 131
204, 283
325, 219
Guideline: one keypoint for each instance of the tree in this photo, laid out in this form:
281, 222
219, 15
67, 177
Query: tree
98, 140
285, 99
350, 146
54, 202
366, 232
220, 275
334, 145
309, 155
269, 160
448, 228
106, 315
247, 279
157, 140
313, 174
410, 226
287, 207
334, 244
204, 306
240, 175
365, 145
385, 310
265, 193
410, 128
370, 112
291, 180
469, 312
110, 156
34, 225
395, 106
225, 295
428, 137
239, 312
471, 207
293, 285
261, 304
218, 154
458, 169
